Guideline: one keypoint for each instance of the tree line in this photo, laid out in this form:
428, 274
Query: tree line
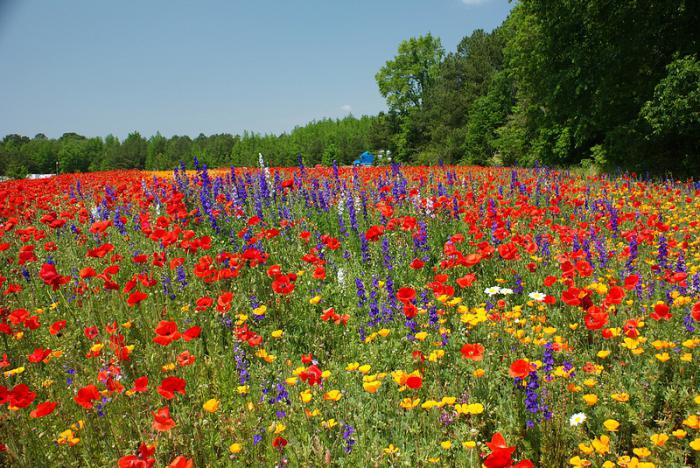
560, 82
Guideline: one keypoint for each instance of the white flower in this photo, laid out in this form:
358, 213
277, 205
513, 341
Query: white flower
493, 290
341, 276
537, 296
577, 419
505, 291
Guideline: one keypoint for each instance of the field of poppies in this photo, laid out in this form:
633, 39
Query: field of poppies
405, 316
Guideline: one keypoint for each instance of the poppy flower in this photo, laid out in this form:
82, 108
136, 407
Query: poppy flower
20, 396
374, 233
521, 368
181, 462
136, 297
414, 382
169, 386
279, 443
466, 280
86, 396
43, 409
56, 327
406, 294
191, 333
162, 422
474, 352
661, 312
166, 333
141, 384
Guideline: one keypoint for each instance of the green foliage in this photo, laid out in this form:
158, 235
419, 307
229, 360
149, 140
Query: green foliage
403, 80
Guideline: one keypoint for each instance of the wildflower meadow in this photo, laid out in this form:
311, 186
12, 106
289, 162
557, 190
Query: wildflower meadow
379, 316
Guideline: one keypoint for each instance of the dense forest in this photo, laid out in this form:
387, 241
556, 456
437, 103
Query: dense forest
608, 84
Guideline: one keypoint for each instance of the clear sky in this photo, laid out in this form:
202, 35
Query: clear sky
185, 67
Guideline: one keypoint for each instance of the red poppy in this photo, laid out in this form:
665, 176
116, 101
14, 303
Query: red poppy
406, 294
417, 264
181, 462
166, 333
191, 333
631, 282
20, 396
695, 312
279, 442
49, 276
414, 381
474, 352
86, 396
466, 280
283, 285
521, 368
203, 303
43, 409
162, 422
136, 297
311, 375
141, 384
39, 355
169, 386
508, 251
661, 312
374, 233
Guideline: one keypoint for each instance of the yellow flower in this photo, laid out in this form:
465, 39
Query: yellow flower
621, 397
659, 439
333, 395
243, 389
384, 332
291, 380
601, 445
235, 448
692, 422
277, 334
446, 444
315, 300
642, 452
590, 399
329, 424
585, 449
611, 425
352, 366
409, 403
663, 357
420, 336
468, 444
473, 408
478, 373
695, 445
276, 427
306, 396
211, 406
260, 310
371, 387
579, 462
603, 353
679, 433
364, 368
391, 450
15, 371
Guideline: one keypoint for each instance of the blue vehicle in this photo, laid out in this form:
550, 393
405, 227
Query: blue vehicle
365, 159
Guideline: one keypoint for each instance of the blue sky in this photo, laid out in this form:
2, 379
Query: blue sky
185, 67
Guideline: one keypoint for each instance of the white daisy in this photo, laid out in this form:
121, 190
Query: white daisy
577, 419
537, 296
493, 290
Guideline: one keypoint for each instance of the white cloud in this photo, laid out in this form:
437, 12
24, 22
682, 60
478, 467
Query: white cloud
346, 108
474, 2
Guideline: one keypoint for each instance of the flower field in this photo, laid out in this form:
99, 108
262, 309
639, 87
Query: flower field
405, 316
